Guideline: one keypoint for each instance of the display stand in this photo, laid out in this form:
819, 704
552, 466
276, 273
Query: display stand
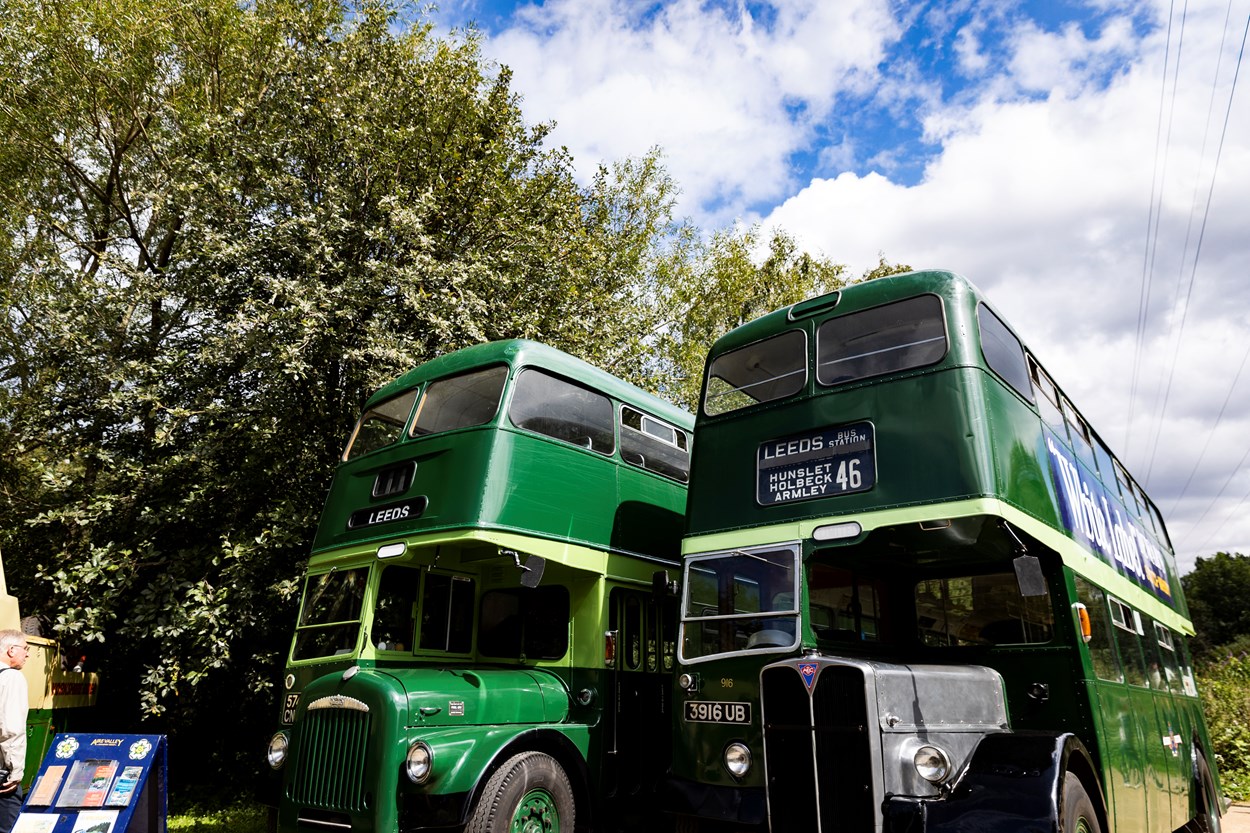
91, 783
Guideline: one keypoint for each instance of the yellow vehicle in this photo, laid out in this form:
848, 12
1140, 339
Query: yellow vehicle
54, 686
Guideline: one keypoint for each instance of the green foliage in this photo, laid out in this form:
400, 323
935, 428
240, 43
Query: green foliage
1225, 687
1217, 591
224, 226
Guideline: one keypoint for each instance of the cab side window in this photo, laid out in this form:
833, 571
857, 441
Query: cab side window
395, 612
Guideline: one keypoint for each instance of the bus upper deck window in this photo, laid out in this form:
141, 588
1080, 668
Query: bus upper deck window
548, 405
1003, 352
460, 401
1047, 399
761, 372
898, 336
381, 425
654, 445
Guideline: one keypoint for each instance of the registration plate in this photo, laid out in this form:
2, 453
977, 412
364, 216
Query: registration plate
817, 464
717, 712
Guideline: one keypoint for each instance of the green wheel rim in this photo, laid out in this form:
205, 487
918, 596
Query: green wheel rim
1082, 826
536, 813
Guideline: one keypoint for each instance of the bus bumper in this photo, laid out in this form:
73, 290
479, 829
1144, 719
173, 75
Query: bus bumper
735, 805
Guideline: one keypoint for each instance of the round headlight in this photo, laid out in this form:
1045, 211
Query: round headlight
276, 754
686, 681
932, 764
737, 759
419, 763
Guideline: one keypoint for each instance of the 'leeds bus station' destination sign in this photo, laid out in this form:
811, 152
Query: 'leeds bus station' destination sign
833, 461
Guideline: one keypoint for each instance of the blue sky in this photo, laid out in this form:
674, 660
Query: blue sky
1087, 164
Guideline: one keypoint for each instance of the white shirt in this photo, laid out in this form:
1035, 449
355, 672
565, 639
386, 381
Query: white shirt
14, 702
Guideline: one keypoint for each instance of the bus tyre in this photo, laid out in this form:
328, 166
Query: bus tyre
1208, 811
1079, 815
528, 794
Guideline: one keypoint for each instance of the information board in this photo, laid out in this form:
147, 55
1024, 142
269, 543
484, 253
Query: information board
97, 783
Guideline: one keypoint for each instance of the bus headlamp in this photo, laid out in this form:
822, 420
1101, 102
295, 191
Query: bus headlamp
737, 759
932, 764
419, 762
687, 682
276, 753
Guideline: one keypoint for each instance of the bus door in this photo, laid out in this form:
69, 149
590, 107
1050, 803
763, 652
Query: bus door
1149, 751
638, 722
1174, 737
1120, 742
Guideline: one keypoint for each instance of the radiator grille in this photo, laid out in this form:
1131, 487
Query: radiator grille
330, 772
818, 751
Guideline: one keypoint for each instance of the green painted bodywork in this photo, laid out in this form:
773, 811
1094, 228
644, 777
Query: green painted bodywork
511, 480
956, 449
496, 495
951, 431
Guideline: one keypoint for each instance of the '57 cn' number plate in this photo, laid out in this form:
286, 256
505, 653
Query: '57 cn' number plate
717, 712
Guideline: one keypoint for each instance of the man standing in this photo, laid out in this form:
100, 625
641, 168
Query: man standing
13, 706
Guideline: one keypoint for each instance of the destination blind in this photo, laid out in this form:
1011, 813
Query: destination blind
825, 463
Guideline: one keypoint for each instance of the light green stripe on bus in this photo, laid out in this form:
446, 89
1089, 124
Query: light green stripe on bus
1074, 556
574, 556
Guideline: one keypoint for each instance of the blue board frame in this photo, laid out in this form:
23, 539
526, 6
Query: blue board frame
99, 783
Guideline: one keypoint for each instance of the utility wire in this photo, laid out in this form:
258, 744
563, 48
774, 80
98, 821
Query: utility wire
1152, 224
1227, 115
1184, 308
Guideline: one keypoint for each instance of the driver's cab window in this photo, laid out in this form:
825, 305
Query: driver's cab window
395, 612
843, 605
417, 609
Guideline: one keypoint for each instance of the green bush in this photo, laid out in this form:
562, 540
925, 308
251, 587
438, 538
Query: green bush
1225, 687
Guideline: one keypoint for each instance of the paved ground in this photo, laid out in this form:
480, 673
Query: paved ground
1237, 819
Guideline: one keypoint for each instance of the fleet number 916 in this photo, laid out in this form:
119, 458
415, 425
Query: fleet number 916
705, 712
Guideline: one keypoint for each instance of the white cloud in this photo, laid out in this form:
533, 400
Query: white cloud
728, 97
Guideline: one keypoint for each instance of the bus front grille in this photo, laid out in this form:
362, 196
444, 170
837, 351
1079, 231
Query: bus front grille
818, 752
330, 771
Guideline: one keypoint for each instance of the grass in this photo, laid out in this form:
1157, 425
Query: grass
244, 817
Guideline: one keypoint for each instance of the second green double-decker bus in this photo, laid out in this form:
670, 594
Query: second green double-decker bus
488, 626
920, 593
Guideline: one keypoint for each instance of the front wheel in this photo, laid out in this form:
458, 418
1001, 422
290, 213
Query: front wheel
1079, 815
528, 794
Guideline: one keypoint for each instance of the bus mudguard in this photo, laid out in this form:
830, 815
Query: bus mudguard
1012, 784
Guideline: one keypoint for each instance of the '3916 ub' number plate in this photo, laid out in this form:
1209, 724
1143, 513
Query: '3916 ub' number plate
714, 712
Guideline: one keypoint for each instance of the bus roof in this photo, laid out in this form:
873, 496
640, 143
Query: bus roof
519, 352
855, 296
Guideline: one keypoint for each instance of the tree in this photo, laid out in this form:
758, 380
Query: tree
224, 226
1218, 593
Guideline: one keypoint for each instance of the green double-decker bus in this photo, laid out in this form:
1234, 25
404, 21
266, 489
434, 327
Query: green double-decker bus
488, 626
919, 592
